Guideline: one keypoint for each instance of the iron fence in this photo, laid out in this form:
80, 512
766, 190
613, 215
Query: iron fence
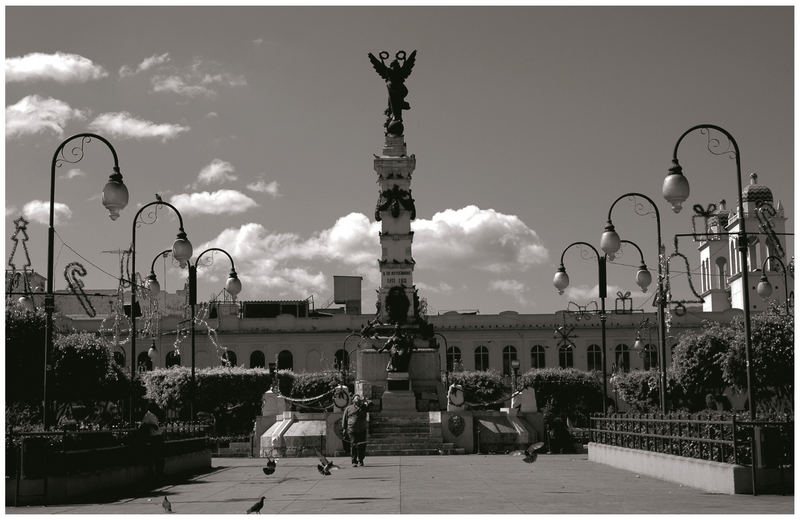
720, 438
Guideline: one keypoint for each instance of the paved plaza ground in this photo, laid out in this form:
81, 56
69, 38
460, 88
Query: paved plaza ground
479, 484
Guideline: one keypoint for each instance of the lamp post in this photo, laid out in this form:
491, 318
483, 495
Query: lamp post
561, 282
181, 251
676, 190
233, 285
610, 243
764, 288
115, 198
515, 370
446, 369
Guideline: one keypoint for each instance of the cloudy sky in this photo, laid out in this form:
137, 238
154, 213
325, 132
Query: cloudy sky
260, 124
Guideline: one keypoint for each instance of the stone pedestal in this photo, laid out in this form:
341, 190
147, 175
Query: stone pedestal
398, 396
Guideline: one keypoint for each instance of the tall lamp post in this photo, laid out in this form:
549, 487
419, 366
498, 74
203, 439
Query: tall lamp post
610, 243
764, 288
561, 282
676, 190
233, 285
115, 198
181, 251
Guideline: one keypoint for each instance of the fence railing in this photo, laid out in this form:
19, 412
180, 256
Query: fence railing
721, 438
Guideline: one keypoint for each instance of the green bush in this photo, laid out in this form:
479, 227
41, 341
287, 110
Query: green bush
566, 392
85, 371
307, 385
481, 386
697, 362
640, 389
233, 395
24, 354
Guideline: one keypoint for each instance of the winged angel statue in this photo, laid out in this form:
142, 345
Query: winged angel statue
395, 76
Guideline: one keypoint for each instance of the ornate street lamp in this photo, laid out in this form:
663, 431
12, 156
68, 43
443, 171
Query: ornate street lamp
561, 282
515, 370
676, 190
764, 288
233, 286
181, 251
115, 198
610, 243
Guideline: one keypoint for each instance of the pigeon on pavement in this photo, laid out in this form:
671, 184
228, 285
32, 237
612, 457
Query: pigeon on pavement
270, 469
529, 454
167, 505
256, 508
325, 465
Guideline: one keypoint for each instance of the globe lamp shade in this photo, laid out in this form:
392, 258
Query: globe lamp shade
643, 277
638, 345
153, 286
610, 242
676, 187
182, 248
561, 280
233, 285
764, 288
115, 195
152, 352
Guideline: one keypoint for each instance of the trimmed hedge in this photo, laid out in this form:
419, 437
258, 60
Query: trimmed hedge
232, 394
565, 392
481, 386
305, 385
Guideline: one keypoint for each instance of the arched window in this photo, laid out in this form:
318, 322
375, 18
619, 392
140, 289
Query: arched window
721, 277
453, 359
481, 358
623, 358
341, 360
173, 359
565, 356
143, 362
119, 358
509, 355
230, 357
537, 356
594, 358
285, 360
650, 355
257, 359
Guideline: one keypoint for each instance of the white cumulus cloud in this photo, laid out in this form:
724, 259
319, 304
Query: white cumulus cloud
178, 85
124, 125
263, 186
39, 211
73, 173
513, 288
35, 114
146, 64
60, 67
477, 238
216, 172
200, 78
586, 292
220, 202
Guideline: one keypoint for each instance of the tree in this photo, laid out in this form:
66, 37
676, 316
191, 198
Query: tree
697, 362
24, 354
84, 370
772, 358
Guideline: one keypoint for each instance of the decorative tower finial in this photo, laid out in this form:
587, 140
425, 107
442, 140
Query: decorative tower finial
754, 178
395, 76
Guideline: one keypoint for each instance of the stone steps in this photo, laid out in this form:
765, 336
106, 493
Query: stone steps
407, 434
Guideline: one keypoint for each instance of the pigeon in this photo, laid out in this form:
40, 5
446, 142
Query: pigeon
530, 454
326, 466
256, 508
167, 505
158, 197
270, 469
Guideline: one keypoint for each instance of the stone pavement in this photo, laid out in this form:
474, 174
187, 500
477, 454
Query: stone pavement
477, 484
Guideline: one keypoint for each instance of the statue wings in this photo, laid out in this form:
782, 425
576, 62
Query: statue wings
384, 71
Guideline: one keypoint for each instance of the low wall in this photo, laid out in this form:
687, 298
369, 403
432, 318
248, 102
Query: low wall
714, 477
69, 488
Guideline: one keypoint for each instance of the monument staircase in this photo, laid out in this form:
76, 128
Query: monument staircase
407, 434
